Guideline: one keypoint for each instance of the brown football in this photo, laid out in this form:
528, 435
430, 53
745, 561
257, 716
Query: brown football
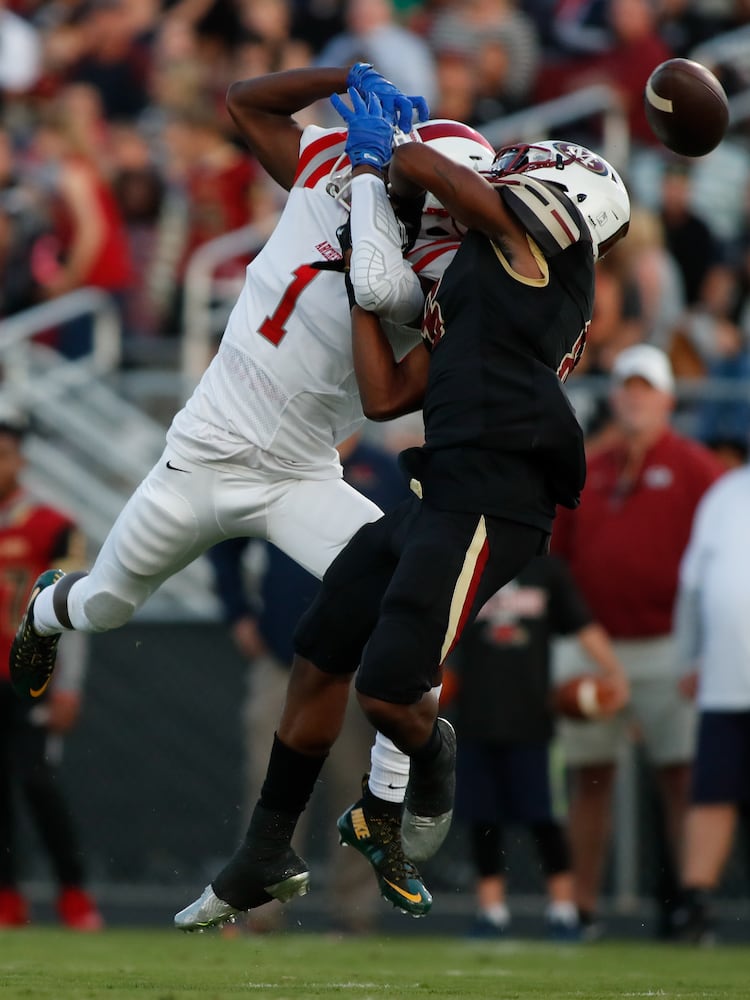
585, 696
686, 107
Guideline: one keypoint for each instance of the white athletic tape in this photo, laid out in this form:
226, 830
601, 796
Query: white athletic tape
660, 103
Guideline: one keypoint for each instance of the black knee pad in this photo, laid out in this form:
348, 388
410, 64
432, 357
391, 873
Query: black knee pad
552, 845
487, 848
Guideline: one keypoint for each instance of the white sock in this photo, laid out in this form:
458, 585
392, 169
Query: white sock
497, 914
46, 621
389, 770
563, 913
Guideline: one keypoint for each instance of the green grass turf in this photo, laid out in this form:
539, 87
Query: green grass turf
162, 965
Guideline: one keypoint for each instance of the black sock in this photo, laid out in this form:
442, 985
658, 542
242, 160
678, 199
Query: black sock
262, 858
694, 898
375, 806
290, 779
429, 751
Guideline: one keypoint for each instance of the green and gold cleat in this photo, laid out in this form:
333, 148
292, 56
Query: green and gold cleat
32, 656
378, 838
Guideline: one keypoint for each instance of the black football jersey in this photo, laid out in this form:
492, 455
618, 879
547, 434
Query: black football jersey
501, 346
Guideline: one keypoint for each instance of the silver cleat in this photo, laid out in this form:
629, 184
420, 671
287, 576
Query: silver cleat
428, 807
295, 885
210, 911
206, 911
422, 836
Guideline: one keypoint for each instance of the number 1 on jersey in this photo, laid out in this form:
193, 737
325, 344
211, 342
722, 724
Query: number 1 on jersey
273, 327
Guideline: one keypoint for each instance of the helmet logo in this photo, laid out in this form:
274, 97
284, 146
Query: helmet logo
583, 156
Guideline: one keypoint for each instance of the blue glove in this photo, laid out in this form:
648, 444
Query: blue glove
370, 134
397, 106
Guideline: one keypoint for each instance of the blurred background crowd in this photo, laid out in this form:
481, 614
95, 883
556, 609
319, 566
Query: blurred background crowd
118, 162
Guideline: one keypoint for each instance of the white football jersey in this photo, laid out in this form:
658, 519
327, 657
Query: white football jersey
283, 380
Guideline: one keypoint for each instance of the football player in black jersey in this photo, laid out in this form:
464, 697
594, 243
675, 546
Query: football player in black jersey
503, 328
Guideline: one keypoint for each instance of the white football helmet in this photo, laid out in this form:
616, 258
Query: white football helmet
588, 180
453, 139
459, 143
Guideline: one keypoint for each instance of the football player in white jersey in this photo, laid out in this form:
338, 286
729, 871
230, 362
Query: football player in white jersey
253, 450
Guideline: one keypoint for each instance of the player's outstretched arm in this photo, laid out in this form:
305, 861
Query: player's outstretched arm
387, 388
467, 196
262, 109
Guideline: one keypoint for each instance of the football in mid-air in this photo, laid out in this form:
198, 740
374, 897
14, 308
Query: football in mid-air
585, 696
686, 107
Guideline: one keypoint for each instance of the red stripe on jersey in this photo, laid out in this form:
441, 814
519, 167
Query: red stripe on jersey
428, 258
447, 130
471, 593
566, 229
433, 243
322, 171
316, 147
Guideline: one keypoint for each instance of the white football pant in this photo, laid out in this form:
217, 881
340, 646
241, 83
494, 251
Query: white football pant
183, 508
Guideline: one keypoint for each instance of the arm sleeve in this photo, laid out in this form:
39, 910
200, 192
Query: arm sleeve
383, 281
545, 211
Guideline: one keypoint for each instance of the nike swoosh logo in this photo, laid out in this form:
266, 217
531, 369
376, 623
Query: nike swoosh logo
175, 469
395, 787
37, 692
413, 897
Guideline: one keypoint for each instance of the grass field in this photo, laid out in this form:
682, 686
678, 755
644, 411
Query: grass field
159, 965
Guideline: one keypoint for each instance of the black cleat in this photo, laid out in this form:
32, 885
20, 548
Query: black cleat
32, 656
428, 808
264, 867
378, 838
693, 922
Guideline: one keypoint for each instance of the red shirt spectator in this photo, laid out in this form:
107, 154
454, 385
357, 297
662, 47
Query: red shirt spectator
219, 197
220, 182
624, 546
33, 537
625, 542
90, 242
108, 265
635, 49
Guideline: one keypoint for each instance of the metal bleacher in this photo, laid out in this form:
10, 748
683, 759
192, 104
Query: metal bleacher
88, 447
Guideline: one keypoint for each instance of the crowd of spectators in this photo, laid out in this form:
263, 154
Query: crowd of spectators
118, 159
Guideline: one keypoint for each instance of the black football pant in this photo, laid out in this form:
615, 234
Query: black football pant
397, 598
